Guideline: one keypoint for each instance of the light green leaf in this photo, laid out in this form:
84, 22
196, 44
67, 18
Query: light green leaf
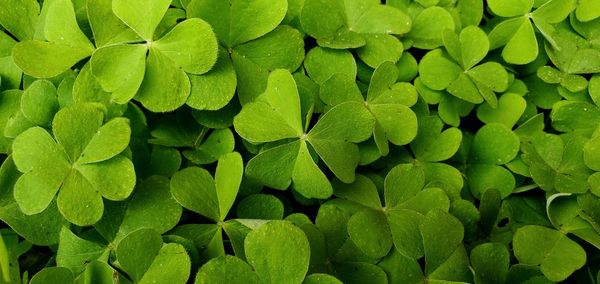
39, 102
494, 144
278, 107
379, 49
214, 90
75, 126
172, 264
110, 140
194, 189
228, 177
165, 87
334, 134
588, 10
141, 16
280, 159
404, 225
510, 108
279, 252
591, 153
510, 8
41, 229
191, 45
137, 251
428, 27
78, 201
106, 26
482, 177
557, 255
114, 178
307, 178
361, 191
432, 144
226, 270
36, 188
61, 26
522, 48
437, 71
369, 17
42, 59
371, 233
338, 89
322, 63
239, 21
120, 69
19, 17
320, 278
474, 46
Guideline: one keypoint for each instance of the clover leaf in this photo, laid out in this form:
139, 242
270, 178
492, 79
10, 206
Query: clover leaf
439, 70
332, 139
146, 259
255, 46
385, 101
61, 46
517, 33
142, 70
557, 255
343, 24
77, 162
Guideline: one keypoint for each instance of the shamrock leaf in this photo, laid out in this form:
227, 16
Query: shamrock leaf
510, 108
341, 24
556, 162
144, 70
517, 33
493, 145
20, 23
428, 27
557, 255
464, 80
490, 262
74, 252
10, 74
226, 269
53, 275
255, 46
384, 101
62, 45
79, 161
432, 144
332, 138
146, 259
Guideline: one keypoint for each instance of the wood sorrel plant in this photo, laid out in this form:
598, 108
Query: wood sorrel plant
299, 141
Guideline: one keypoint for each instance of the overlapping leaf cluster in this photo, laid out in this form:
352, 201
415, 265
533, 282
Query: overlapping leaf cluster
299, 141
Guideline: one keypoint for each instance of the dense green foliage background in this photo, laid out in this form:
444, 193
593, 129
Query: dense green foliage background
299, 141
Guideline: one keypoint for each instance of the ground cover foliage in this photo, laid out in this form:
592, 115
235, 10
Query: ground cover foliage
299, 141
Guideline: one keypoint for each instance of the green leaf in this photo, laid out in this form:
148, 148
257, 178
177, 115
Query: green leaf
36, 188
320, 278
279, 252
522, 47
432, 144
137, 251
75, 126
106, 26
428, 27
474, 46
278, 107
570, 116
401, 183
379, 49
191, 45
281, 159
214, 89
482, 177
20, 23
74, 252
334, 134
370, 232
226, 269
510, 108
78, 201
172, 264
260, 206
322, 63
587, 10
41, 229
239, 21
162, 74
39, 102
120, 69
307, 178
140, 16
510, 8
437, 71
53, 275
66, 44
110, 140
437, 251
557, 255
494, 144
591, 153
361, 191
228, 177
194, 189
114, 179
